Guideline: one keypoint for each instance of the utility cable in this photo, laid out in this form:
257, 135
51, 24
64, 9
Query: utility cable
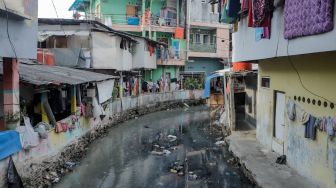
52, 1
7, 30
300, 79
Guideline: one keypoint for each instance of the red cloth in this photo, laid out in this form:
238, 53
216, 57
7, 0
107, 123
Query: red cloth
250, 14
151, 49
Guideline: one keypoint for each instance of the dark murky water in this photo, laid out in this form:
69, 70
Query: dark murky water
123, 158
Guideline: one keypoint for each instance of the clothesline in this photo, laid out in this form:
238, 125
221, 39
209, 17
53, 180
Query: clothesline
325, 123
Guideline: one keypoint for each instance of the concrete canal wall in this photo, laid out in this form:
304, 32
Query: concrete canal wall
52, 153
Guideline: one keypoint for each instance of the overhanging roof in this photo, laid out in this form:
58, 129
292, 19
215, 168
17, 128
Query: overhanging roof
38, 74
79, 5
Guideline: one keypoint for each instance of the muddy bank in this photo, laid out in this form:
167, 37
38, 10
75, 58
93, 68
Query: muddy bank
51, 170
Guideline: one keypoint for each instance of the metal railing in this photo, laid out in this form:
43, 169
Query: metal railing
198, 47
121, 19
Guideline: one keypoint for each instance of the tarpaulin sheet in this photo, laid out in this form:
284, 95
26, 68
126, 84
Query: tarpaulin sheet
105, 90
9, 143
207, 83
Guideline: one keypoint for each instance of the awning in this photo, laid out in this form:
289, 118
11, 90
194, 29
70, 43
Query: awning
43, 35
79, 5
208, 81
38, 74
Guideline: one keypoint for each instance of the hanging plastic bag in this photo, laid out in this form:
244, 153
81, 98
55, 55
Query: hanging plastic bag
29, 138
41, 129
13, 178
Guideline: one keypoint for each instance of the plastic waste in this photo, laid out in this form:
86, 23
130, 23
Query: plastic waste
220, 143
29, 138
41, 129
13, 178
172, 138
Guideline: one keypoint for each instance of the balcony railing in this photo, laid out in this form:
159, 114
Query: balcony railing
198, 47
110, 20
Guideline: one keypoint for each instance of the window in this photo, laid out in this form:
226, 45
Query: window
198, 38
265, 82
205, 39
191, 38
213, 40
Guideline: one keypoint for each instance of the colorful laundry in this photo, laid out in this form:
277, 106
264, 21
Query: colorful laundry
310, 130
291, 110
309, 18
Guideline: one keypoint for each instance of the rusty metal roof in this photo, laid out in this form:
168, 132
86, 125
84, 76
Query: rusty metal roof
38, 74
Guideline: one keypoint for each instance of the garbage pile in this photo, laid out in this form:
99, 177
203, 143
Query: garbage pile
177, 168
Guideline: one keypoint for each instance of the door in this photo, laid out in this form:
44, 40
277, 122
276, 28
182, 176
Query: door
279, 122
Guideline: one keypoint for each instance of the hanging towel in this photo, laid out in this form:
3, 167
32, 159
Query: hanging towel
303, 117
262, 11
10, 143
233, 8
330, 127
226, 18
259, 32
318, 123
310, 130
291, 110
323, 124
250, 15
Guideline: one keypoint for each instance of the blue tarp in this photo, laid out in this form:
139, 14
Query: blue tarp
9, 143
207, 83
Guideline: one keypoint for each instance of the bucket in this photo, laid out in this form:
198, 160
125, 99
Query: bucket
241, 66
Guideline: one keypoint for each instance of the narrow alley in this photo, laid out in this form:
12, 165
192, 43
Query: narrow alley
123, 158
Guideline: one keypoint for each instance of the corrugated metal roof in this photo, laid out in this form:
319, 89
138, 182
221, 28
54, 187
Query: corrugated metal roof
38, 74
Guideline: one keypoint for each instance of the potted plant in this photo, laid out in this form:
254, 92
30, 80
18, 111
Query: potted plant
12, 120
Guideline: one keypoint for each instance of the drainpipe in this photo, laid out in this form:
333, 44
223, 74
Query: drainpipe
178, 13
121, 85
150, 20
188, 28
143, 10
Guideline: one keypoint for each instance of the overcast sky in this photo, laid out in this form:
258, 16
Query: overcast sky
46, 9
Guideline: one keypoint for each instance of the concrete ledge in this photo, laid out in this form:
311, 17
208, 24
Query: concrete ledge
260, 164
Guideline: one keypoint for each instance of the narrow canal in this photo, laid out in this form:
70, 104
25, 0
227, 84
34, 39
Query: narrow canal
144, 153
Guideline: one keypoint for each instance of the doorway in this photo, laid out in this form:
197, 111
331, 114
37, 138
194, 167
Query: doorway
279, 122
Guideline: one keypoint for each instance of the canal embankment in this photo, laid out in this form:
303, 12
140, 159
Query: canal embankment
46, 163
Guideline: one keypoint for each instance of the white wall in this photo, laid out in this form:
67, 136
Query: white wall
142, 58
245, 47
22, 32
107, 54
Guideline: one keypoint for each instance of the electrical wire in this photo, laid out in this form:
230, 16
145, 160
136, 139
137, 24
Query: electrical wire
8, 35
52, 1
300, 79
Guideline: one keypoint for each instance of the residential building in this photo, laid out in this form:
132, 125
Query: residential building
161, 21
18, 20
209, 39
91, 45
296, 57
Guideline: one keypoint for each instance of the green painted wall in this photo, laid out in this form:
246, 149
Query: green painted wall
206, 65
156, 7
157, 73
114, 8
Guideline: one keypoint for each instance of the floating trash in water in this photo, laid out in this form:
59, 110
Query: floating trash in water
172, 138
220, 143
